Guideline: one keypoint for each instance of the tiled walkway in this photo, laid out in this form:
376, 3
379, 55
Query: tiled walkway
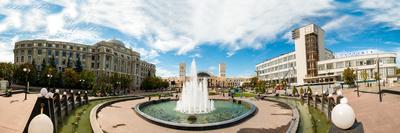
120, 118
377, 117
14, 112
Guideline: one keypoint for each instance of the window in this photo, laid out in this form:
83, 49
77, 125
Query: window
339, 65
16, 59
64, 46
22, 52
57, 53
29, 52
39, 51
49, 52
22, 59
30, 45
49, 45
64, 53
39, 44
329, 66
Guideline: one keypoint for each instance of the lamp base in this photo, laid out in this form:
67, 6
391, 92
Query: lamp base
356, 128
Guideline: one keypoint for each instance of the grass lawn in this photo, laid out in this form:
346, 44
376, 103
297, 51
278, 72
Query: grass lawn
245, 94
78, 121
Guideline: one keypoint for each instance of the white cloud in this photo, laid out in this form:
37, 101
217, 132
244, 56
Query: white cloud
183, 25
336, 23
386, 11
162, 72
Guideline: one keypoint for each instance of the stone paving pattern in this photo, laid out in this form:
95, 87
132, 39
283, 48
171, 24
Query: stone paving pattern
120, 118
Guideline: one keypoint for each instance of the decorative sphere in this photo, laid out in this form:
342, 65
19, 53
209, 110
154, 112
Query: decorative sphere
65, 93
339, 93
343, 115
49, 95
40, 124
57, 91
330, 95
43, 92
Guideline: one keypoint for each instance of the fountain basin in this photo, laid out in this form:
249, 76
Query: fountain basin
226, 113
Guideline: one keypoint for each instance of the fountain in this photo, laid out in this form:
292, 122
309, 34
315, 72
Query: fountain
194, 110
194, 98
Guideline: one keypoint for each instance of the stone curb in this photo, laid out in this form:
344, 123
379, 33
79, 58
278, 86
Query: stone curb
294, 124
197, 127
93, 113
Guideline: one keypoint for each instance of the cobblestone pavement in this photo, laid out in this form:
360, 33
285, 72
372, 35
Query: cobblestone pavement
120, 118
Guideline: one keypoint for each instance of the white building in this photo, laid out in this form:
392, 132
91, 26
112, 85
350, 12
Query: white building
312, 63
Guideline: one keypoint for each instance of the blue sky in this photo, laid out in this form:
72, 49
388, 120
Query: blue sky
236, 32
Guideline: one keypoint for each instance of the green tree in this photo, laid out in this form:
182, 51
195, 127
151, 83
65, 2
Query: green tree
294, 91
301, 91
71, 78
78, 65
364, 76
309, 90
349, 76
253, 82
89, 79
398, 71
377, 76
53, 62
43, 65
20, 75
7, 71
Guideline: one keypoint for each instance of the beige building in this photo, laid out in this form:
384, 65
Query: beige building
214, 82
106, 57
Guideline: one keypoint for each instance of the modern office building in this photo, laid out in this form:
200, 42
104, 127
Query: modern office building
104, 57
312, 63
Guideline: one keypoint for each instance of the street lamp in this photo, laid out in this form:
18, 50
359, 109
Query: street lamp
118, 84
358, 92
379, 79
49, 76
27, 71
81, 81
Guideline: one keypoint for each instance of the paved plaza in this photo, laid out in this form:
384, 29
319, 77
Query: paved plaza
15, 111
377, 117
120, 118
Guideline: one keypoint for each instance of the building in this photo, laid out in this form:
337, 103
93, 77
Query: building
312, 63
104, 57
182, 70
214, 82
222, 70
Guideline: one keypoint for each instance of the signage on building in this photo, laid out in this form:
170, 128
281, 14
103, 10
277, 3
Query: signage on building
355, 53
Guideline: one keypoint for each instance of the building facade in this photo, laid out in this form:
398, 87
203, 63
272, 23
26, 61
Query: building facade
312, 63
104, 57
214, 81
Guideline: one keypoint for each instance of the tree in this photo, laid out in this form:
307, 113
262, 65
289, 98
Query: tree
377, 76
294, 91
70, 78
309, 90
398, 71
253, 82
349, 76
20, 75
89, 78
53, 62
43, 65
7, 71
364, 76
301, 91
78, 65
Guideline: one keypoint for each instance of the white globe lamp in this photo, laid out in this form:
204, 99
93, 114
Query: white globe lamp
40, 124
43, 92
343, 115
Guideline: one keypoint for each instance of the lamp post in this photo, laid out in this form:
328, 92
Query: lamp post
82, 82
27, 71
118, 85
379, 80
358, 92
49, 76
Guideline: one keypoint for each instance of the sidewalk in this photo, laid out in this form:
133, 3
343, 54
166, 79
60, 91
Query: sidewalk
14, 112
377, 117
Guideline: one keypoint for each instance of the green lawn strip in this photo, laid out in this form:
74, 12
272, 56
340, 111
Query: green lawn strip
245, 94
78, 121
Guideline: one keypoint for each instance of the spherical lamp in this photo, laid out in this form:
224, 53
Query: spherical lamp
40, 124
343, 115
43, 92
